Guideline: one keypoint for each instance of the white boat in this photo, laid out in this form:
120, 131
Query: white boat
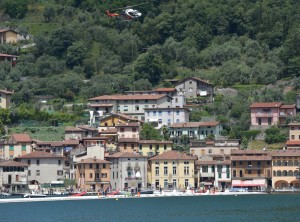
29, 195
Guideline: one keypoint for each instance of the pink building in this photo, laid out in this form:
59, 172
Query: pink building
270, 113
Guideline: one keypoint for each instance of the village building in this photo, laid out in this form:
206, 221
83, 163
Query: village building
43, 167
154, 147
172, 169
5, 99
16, 145
93, 174
193, 87
293, 143
285, 167
183, 133
13, 176
8, 36
251, 169
213, 173
264, 115
128, 171
80, 132
202, 148
160, 117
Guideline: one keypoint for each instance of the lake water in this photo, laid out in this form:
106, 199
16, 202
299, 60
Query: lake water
195, 208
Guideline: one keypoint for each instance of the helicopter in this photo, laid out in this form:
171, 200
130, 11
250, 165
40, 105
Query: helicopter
127, 13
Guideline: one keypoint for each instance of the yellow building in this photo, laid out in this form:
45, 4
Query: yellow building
172, 169
113, 120
285, 167
294, 137
5, 99
153, 147
8, 36
16, 145
93, 174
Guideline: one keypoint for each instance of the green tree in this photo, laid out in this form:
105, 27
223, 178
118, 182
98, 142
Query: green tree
76, 54
49, 13
150, 133
15, 8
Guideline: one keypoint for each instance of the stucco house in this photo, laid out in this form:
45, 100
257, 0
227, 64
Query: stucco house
16, 145
128, 170
182, 133
293, 143
8, 36
270, 113
43, 168
13, 176
172, 169
5, 99
193, 87
154, 147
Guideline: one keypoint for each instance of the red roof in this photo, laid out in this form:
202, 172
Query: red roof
6, 30
293, 142
292, 106
165, 90
130, 124
8, 163
290, 153
129, 97
6, 92
266, 105
7, 55
101, 105
21, 138
173, 155
39, 154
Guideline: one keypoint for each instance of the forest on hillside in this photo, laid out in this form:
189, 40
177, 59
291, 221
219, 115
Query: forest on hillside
79, 52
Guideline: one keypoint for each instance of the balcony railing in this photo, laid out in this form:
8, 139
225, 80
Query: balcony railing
263, 114
133, 178
207, 174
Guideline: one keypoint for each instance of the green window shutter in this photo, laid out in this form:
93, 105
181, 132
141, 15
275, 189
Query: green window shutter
23, 147
11, 148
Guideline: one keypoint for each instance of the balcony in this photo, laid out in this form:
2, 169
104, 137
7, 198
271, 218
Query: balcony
263, 114
132, 178
207, 174
251, 167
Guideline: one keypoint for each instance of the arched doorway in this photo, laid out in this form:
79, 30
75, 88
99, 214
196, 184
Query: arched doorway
281, 184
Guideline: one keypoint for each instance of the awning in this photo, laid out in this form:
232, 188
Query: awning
248, 185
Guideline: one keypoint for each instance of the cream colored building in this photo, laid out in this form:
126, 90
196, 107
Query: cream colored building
16, 145
8, 36
285, 167
154, 147
172, 169
5, 99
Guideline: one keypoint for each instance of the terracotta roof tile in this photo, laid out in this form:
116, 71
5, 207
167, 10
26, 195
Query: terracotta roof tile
6, 92
292, 142
165, 90
292, 106
107, 131
237, 158
101, 105
93, 160
126, 155
39, 154
294, 124
21, 138
173, 155
8, 163
6, 30
266, 105
128, 97
291, 153
128, 124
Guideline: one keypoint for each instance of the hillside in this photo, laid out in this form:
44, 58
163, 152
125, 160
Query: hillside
71, 50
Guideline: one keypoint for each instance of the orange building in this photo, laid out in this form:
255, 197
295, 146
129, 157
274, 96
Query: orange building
93, 174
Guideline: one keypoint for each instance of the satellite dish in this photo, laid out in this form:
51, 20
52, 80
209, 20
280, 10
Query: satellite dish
138, 174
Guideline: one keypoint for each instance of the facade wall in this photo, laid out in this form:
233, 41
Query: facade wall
166, 117
74, 135
147, 149
294, 133
264, 116
11, 37
16, 179
122, 175
251, 169
285, 172
212, 150
93, 176
10, 151
5, 101
181, 179
47, 170
128, 132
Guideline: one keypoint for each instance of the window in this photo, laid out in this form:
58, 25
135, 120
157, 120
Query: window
165, 183
293, 137
154, 113
140, 146
233, 163
169, 113
177, 112
186, 182
165, 170
97, 166
104, 166
174, 183
205, 169
121, 130
136, 101
29, 172
160, 121
132, 146
166, 162
150, 146
174, 170
165, 146
91, 166
37, 162
157, 146
59, 162
210, 151
91, 175
11, 148
159, 113
37, 172
23, 147
146, 100
249, 171
241, 163
125, 108
133, 129
186, 170
157, 171
137, 108
104, 175
234, 173
28, 162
